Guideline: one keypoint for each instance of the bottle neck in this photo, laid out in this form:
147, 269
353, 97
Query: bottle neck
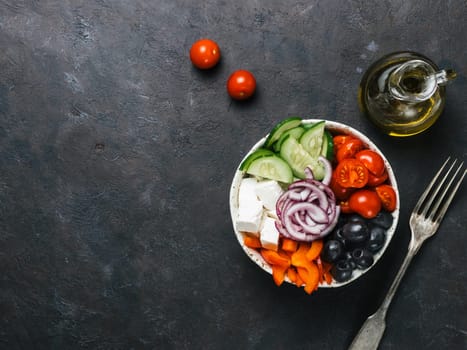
416, 81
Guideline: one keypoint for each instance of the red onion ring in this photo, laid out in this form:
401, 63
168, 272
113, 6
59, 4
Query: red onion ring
307, 210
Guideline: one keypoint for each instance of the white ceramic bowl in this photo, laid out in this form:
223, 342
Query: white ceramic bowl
333, 127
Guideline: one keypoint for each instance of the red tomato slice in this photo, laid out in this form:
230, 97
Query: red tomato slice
340, 140
372, 160
387, 196
340, 192
374, 180
345, 207
366, 203
351, 173
349, 149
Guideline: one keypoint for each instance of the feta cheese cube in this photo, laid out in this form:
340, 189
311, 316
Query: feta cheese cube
247, 192
250, 217
269, 235
268, 193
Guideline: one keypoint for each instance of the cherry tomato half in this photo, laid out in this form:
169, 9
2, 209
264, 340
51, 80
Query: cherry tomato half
345, 207
340, 140
374, 180
387, 196
241, 85
205, 54
372, 160
340, 192
349, 149
351, 172
365, 202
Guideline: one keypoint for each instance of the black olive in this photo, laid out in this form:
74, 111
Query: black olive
356, 218
348, 256
363, 258
377, 238
384, 219
356, 234
337, 235
332, 251
342, 271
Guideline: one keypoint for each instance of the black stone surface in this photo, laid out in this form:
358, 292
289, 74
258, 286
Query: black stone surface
116, 157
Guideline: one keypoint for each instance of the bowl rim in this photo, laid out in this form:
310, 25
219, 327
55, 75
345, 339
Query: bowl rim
332, 126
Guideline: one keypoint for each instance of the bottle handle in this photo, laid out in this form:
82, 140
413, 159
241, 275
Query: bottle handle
417, 80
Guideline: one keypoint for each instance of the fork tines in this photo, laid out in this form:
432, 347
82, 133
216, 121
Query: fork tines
441, 190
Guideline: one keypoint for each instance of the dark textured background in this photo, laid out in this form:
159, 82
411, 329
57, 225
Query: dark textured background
116, 157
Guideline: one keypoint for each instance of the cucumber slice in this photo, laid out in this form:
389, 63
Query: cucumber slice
328, 146
280, 127
312, 139
299, 159
260, 152
296, 133
271, 167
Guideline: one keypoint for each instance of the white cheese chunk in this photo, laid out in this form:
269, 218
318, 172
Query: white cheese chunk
268, 192
250, 209
269, 235
250, 217
247, 191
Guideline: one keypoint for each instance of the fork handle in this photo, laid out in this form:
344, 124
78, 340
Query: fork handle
372, 330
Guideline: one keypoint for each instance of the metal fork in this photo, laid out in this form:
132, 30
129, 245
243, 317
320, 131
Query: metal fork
424, 222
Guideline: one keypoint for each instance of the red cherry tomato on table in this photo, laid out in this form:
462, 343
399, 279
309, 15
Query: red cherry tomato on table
241, 85
372, 160
365, 202
387, 196
205, 54
351, 172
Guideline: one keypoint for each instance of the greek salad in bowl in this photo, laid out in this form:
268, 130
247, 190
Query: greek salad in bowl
314, 203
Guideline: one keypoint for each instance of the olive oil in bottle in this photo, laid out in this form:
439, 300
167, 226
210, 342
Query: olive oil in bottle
403, 93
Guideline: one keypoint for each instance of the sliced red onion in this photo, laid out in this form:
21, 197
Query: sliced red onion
307, 210
327, 170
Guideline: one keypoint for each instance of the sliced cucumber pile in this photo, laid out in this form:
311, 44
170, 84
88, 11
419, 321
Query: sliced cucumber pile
289, 149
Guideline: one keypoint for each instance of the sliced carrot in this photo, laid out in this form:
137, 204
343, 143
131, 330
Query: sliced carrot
315, 250
274, 258
278, 274
299, 282
289, 245
327, 272
292, 274
299, 257
312, 283
252, 242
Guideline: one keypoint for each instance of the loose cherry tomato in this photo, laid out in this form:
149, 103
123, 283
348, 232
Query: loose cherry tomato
349, 149
372, 160
205, 54
387, 196
374, 180
365, 202
351, 172
241, 85
340, 192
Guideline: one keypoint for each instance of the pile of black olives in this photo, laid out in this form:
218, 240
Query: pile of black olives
353, 243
